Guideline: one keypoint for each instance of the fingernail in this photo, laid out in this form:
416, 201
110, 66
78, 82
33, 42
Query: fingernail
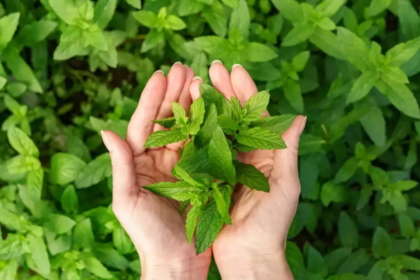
176, 63
216, 61
302, 125
197, 78
186, 66
236, 65
160, 71
107, 142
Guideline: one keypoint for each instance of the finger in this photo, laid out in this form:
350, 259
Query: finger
141, 126
286, 160
243, 85
174, 85
124, 176
220, 79
195, 88
185, 98
185, 102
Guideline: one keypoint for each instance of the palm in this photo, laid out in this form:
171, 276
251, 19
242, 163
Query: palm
153, 222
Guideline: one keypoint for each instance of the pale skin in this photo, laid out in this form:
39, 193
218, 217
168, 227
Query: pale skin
253, 247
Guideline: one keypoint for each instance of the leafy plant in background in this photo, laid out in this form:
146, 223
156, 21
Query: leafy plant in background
208, 170
351, 67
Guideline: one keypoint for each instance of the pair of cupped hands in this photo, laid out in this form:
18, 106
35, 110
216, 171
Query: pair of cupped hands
253, 247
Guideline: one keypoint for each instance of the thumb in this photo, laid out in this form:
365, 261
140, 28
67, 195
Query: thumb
124, 177
285, 160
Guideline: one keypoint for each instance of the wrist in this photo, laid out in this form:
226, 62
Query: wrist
195, 268
254, 266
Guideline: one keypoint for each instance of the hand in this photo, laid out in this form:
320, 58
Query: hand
253, 247
153, 222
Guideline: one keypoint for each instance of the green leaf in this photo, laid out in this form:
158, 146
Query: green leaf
39, 253
331, 192
395, 74
83, 235
277, 124
189, 7
122, 241
293, 94
215, 16
178, 190
290, 9
96, 38
166, 123
409, 20
362, 86
240, 19
94, 266
402, 98
179, 113
21, 142
251, 177
381, 246
374, 125
378, 6
22, 71
174, 23
59, 224
72, 43
35, 32
135, 3
260, 138
402, 52
336, 258
347, 170
110, 257
231, 3
347, 231
147, 18
299, 34
163, 137
11, 220
10, 270
65, 10
354, 48
8, 26
295, 260
326, 24
197, 115
97, 170
347, 276
257, 52
191, 221
406, 226
328, 42
256, 105
220, 157
209, 226
69, 200
104, 11
3, 82
152, 40
221, 205
328, 8
205, 134
65, 168
316, 262
354, 262
299, 61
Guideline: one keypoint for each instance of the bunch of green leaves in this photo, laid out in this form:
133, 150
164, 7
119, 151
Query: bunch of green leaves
311, 23
289, 79
208, 170
381, 71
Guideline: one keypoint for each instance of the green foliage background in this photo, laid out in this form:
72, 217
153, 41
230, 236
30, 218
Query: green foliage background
70, 68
